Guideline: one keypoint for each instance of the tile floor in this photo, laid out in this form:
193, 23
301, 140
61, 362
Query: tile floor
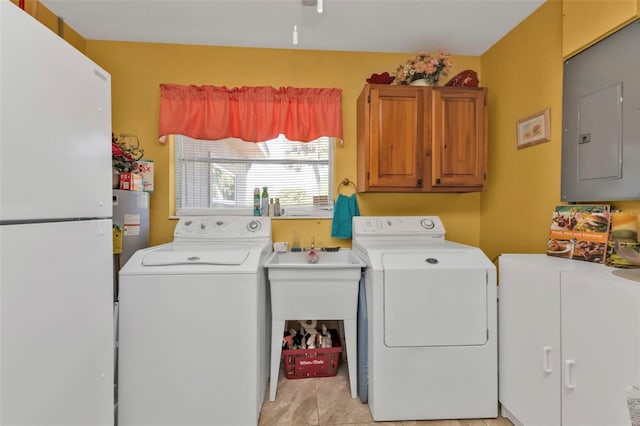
327, 401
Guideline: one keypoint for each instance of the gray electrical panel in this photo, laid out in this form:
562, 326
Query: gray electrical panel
601, 120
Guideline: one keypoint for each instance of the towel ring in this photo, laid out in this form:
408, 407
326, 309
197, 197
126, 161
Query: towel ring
346, 182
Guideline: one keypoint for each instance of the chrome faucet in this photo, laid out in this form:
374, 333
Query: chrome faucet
313, 242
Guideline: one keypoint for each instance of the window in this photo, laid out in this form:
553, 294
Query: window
219, 177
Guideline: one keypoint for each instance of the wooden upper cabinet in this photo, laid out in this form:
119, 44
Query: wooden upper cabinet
458, 143
390, 135
421, 139
585, 22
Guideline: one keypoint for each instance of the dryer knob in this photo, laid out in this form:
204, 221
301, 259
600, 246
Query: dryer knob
427, 224
254, 225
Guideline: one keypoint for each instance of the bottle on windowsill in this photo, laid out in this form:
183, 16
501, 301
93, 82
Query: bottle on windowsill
276, 207
264, 206
271, 208
256, 201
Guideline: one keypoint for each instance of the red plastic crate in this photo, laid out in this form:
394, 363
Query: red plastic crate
319, 362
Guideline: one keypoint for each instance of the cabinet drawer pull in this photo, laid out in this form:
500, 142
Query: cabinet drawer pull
546, 351
569, 379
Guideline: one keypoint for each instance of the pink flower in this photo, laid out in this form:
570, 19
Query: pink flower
424, 66
430, 67
420, 66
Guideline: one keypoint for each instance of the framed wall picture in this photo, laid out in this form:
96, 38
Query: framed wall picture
533, 129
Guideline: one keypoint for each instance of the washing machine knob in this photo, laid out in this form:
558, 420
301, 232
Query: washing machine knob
427, 224
254, 225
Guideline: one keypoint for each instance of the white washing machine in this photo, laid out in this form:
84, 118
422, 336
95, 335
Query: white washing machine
194, 326
431, 321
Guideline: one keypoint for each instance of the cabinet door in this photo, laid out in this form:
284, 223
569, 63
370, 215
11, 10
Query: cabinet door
584, 22
529, 336
458, 142
600, 350
391, 138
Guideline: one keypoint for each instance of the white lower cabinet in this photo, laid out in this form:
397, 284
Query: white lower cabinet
529, 341
569, 341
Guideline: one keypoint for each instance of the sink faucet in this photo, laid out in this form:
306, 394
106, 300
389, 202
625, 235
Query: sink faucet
313, 242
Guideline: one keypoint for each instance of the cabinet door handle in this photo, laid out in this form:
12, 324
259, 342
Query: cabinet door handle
546, 351
419, 182
438, 180
569, 381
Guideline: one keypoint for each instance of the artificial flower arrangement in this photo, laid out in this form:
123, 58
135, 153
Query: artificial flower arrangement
125, 152
312, 256
424, 66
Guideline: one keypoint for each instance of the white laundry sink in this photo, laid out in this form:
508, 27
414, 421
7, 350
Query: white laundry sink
323, 290
326, 289
342, 259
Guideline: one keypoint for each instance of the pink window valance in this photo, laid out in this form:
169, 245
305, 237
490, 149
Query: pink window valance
253, 114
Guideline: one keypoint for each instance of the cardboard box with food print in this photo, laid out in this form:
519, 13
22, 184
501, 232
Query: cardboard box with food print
623, 247
579, 232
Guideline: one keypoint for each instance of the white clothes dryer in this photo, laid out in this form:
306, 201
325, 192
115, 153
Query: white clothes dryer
431, 325
194, 326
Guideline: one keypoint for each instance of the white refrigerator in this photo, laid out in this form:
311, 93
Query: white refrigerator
56, 310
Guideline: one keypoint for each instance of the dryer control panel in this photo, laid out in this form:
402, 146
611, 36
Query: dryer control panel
424, 227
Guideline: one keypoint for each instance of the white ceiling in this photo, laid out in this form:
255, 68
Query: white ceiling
460, 27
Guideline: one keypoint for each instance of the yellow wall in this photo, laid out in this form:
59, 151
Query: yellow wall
50, 20
137, 69
524, 74
587, 21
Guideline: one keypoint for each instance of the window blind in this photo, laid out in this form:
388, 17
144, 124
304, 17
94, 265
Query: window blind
219, 177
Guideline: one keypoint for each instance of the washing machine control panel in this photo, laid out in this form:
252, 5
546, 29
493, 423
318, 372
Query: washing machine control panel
222, 228
398, 226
